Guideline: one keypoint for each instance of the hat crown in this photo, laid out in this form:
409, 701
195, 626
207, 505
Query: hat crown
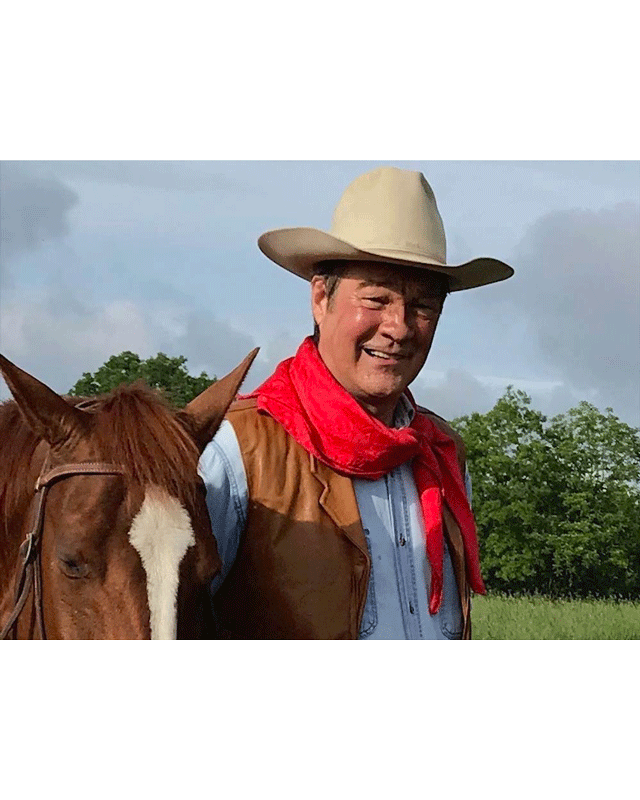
391, 209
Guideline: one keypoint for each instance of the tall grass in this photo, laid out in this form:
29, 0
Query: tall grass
499, 617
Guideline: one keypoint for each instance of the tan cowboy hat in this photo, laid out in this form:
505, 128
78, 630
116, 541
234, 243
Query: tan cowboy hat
387, 215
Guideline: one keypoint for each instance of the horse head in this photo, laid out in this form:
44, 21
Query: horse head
122, 533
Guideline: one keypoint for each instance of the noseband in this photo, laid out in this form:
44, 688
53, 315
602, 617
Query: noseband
30, 570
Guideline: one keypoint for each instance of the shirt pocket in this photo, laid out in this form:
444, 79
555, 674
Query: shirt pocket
370, 615
451, 622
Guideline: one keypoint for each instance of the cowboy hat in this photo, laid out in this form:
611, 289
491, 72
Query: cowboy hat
388, 215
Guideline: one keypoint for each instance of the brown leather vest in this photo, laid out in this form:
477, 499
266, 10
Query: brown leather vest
302, 568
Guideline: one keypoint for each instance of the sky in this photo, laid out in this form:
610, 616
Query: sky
98, 257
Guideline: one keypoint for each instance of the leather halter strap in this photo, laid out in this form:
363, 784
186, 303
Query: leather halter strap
30, 573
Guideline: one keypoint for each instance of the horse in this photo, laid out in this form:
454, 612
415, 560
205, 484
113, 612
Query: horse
104, 528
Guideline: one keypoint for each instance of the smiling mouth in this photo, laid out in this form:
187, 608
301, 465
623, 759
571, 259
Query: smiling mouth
382, 355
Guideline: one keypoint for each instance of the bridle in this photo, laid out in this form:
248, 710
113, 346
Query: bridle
29, 569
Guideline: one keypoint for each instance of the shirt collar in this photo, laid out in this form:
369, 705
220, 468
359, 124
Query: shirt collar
403, 414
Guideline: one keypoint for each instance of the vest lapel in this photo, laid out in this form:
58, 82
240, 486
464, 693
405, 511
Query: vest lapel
339, 501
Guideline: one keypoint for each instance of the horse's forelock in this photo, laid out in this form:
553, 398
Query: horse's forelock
137, 429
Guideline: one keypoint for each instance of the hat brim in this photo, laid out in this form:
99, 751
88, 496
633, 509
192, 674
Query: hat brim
299, 250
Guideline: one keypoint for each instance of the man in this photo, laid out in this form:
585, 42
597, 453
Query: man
340, 507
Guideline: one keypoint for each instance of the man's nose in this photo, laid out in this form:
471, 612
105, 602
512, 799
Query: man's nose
396, 322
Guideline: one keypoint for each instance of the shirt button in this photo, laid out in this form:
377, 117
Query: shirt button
403, 541
411, 609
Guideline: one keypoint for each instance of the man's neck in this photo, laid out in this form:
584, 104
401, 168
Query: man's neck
388, 413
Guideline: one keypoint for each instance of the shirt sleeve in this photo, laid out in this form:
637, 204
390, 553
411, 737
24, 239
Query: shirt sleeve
467, 485
222, 471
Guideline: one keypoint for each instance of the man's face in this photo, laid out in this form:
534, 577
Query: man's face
377, 329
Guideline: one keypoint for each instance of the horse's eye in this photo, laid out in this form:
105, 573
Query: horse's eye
74, 568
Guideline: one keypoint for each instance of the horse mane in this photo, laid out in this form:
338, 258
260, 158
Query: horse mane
134, 427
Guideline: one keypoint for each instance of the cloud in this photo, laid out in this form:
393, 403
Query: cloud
581, 286
458, 393
215, 346
209, 343
187, 176
58, 331
56, 336
576, 293
33, 209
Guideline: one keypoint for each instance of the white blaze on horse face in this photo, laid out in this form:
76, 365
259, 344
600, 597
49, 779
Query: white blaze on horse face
161, 532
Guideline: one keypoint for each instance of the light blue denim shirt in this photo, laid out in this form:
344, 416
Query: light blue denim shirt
397, 601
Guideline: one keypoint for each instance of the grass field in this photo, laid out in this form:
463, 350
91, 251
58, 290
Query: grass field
497, 617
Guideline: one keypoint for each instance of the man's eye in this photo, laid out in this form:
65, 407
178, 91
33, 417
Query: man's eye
374, 301
426, 311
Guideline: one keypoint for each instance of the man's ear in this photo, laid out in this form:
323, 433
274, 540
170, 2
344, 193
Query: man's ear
319, 300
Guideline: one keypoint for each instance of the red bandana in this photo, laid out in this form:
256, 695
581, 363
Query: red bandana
305, 398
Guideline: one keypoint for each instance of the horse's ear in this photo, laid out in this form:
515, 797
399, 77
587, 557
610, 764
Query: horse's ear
48, 415
207, 410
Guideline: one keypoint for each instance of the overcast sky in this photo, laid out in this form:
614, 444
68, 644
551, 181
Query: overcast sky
101, 257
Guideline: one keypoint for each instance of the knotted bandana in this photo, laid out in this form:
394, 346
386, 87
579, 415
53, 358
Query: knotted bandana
305, 398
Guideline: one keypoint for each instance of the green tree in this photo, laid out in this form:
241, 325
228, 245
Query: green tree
596, 525
557, 502
160, 372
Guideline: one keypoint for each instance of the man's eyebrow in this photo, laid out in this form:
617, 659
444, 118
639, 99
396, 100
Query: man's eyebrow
364, 284
420, 298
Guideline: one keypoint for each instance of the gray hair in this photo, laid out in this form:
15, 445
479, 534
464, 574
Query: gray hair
331, 272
